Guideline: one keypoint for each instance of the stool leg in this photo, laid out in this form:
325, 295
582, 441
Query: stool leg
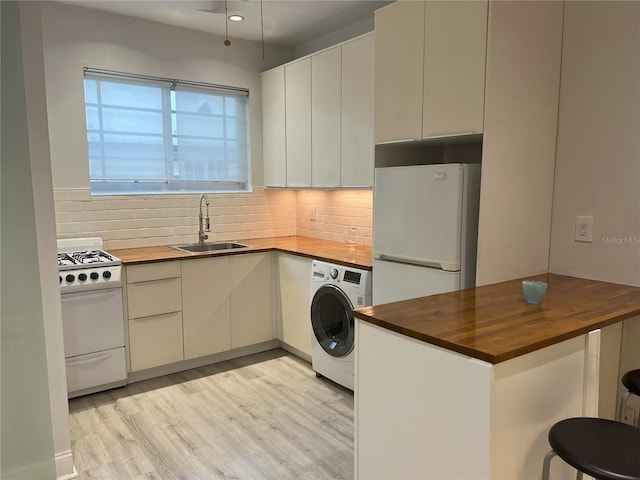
545, 464
623, 406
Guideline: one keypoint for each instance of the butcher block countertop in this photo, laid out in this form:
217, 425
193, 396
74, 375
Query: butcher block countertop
358, 256
494, 323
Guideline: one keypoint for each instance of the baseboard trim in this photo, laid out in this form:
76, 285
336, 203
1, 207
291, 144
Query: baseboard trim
65, 469
141, 375
295, 351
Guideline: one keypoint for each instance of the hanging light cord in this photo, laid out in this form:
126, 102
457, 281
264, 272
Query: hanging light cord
262, 27
226, 24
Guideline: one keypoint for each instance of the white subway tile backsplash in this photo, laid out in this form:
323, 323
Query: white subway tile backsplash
80, 195
68, 206
133, 221
72, 227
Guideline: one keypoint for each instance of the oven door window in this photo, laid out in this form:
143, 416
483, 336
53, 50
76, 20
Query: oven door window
332, 321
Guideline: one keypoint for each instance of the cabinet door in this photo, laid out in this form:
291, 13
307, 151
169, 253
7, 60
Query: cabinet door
274, 154
155, 341
454, 67
295, 277
325, 118
357, 154
399, 45
205, 293
251, 299
298, 122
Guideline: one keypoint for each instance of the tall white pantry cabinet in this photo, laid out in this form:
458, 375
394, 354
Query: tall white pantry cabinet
317, 115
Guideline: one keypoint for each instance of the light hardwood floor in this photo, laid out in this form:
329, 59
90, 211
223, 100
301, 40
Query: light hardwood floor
265, 416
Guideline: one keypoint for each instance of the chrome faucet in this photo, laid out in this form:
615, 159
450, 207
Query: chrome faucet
204, 224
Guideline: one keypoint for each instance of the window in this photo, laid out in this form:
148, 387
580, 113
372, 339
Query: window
151, 135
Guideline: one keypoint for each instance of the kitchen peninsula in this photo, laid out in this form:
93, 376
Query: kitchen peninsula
466, 384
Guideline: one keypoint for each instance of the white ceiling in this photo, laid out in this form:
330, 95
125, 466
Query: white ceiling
286, 22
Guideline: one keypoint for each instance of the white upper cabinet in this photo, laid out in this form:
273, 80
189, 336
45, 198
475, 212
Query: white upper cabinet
454, 67
317, 119
357, 113
274, 153
298, 122
429, 69
399, 56
326, 106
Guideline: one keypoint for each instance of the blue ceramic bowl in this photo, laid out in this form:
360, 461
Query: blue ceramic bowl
534, 291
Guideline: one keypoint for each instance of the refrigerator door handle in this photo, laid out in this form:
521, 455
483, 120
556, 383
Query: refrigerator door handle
420, 262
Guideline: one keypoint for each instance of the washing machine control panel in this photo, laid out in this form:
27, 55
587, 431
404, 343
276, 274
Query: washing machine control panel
352, 277
355, 279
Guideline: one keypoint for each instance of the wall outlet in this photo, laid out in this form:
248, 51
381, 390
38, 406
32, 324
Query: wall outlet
583, 229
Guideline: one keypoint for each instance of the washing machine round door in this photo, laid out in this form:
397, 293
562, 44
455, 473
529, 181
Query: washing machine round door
332, 321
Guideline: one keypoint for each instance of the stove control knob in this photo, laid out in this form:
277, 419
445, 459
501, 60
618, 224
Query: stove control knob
60, 277
82, 277
70, 278
333, 273
106, 274
94, 275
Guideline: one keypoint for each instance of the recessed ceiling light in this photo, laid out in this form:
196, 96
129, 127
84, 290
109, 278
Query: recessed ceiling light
236, 18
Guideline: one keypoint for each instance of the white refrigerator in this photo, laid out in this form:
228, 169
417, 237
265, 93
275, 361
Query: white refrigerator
425, 230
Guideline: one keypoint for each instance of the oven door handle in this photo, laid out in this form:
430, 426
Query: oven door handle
92, 293
90, 358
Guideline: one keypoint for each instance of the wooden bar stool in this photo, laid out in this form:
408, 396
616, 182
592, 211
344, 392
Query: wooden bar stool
604, 449
631, 380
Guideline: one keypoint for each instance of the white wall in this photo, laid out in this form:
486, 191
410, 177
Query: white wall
360, 28
598, 153
46, 232
76, 37
31, 302
598, 162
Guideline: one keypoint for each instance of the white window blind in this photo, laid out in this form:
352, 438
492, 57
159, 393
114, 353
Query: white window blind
153, 136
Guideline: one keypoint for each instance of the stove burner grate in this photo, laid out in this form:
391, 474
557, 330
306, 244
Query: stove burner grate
64, 260
92, 256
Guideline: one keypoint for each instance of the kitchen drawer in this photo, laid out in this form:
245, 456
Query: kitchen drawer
155, 341
95, 369
153, 271
154, 297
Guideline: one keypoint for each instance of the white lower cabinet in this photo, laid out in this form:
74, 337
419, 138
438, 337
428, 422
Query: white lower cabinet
251, 299
154, 307
155, 341
227, 303
294, 274
206, 316
182, 310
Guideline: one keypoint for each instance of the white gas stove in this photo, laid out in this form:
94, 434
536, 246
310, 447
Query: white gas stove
83, 265
92, 316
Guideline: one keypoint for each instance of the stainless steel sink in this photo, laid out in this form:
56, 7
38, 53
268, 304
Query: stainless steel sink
209, 247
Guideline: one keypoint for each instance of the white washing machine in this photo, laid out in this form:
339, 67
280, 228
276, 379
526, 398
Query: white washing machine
336, 291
